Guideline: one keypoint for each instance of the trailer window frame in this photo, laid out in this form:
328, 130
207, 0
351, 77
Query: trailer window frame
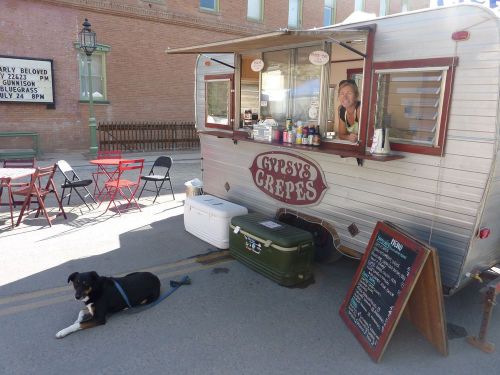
447, 65
230, 100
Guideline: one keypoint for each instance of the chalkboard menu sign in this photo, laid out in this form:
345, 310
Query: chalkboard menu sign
381, 287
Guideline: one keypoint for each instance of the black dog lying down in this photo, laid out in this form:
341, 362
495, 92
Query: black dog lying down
102, 296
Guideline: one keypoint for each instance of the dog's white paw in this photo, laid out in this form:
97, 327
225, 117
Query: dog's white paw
66, 331
62, 333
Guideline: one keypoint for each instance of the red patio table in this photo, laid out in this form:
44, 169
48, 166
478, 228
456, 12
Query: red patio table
6, 176
103, 168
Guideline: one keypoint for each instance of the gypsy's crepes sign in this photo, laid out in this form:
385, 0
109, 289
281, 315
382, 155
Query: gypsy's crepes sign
26, 80
288, 178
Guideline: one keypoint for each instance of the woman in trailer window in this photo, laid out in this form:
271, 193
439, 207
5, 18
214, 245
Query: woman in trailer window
349, 110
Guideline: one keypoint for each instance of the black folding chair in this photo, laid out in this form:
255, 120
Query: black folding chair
159, 173
73, 182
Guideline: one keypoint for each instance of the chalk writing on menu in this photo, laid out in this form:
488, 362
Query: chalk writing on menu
380, 283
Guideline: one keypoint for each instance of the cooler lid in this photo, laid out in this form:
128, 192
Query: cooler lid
216, 206
272, 230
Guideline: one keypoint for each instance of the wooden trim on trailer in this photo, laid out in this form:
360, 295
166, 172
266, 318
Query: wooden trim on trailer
450, 62
325, 148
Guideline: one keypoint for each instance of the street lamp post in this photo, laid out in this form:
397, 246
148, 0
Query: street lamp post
88, 45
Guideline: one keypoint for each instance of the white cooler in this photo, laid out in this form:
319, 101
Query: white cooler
208, 218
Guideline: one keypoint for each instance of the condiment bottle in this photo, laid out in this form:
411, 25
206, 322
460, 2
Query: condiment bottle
311, 135
298, 138
305, 135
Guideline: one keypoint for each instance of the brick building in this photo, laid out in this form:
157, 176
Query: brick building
134, 80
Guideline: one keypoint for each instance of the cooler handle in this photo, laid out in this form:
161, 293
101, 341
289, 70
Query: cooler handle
237, 229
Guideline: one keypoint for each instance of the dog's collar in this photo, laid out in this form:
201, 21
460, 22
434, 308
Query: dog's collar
122, 292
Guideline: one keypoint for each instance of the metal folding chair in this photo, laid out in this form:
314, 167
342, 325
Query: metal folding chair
159, 173
126, 184
73, 182
41, 185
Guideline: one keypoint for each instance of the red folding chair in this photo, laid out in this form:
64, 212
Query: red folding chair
126, 184
41, 185
6, 183
18, 163
106, 171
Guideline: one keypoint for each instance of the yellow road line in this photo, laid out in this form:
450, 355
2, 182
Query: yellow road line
38, 293
69, 296
46, 292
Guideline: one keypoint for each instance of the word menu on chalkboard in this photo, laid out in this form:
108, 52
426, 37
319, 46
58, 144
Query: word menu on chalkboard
382, 286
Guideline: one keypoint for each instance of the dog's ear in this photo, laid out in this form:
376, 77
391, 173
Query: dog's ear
94, 276
72, 276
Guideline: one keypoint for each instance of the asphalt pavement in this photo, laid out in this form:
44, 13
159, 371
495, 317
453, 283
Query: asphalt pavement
231, 320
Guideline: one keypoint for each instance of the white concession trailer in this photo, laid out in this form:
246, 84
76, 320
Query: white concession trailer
429, 83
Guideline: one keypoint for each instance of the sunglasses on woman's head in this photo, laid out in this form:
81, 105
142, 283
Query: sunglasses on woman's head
344, 81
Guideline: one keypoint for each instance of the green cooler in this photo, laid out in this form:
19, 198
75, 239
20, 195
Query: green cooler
277, 250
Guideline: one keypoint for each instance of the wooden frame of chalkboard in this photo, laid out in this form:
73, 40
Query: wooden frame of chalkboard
382, 286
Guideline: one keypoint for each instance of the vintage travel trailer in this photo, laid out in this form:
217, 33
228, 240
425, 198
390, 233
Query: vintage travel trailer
426, 153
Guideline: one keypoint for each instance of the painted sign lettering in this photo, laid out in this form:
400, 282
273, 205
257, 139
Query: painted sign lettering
26, 80
288, 178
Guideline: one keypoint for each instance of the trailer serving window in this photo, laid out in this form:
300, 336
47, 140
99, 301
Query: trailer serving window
411, 99
291, 86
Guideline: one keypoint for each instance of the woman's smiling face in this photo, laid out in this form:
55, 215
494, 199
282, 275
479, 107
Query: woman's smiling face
347, 96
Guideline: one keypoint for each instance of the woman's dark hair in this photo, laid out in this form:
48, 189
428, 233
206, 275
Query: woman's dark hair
349, 82
344, 81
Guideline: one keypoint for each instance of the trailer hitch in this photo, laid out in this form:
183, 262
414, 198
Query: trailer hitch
490, 293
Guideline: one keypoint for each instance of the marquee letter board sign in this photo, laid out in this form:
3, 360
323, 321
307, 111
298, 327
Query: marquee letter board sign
386, 277
26, 80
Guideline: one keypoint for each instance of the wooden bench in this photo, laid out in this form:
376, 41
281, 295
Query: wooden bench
16, 153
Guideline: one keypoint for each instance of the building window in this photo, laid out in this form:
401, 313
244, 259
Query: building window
254, 10
211, 5
295, 14
329, 12
98, 70
411, 99
359, 5
384, 8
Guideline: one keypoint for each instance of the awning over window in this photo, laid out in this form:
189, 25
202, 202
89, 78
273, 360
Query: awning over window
282, 38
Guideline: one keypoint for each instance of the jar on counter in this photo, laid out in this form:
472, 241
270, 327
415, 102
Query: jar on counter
317, 137
276, 134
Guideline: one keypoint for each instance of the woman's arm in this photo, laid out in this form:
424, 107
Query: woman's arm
343, 133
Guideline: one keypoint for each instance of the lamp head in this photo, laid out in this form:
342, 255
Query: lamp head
87, 38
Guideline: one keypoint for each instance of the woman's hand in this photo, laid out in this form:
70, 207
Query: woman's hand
353, 137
